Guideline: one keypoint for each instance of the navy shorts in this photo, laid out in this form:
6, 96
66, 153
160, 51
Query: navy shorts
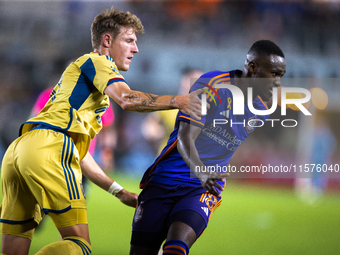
159, 205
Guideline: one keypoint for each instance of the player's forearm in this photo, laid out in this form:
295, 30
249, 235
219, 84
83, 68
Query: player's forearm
145, 102
132, 100
187, 135
94, 173
189, 154
137, 101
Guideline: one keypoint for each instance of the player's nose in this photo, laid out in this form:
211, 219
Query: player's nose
277, 82
135, 48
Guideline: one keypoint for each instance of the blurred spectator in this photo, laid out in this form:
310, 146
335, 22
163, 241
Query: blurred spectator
190, 9
2, 149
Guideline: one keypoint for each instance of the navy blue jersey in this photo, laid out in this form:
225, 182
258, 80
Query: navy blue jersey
222, 133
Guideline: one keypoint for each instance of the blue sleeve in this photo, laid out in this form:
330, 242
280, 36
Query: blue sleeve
184, 117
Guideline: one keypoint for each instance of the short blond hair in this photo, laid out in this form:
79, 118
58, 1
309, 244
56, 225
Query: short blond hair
110, 21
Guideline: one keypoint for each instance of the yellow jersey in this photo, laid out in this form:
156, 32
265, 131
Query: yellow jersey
77, 102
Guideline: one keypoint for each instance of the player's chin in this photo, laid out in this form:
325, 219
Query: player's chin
266, 98
124, 68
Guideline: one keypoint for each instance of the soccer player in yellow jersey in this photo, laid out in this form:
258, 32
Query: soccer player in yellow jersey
41, 170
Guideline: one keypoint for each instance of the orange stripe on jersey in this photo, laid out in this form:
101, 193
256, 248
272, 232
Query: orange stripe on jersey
264, 103
175, 252
213, 80
185, 117
217, 77
220, 81
203, 196
165, 153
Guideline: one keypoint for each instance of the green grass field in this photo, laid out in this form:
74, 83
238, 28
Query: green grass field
251, 220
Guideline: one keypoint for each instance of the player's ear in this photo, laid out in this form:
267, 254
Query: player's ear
252, 67
106, 40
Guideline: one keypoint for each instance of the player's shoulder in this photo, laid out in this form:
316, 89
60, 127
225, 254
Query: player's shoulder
210, 79
218, 73
95, 58
215, 77
212, 74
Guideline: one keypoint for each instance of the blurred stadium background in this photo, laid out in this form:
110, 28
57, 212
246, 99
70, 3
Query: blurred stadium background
259, 215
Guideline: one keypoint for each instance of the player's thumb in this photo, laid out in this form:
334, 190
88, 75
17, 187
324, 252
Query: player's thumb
198, 91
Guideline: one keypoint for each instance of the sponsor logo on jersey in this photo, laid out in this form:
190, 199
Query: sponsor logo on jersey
252, 124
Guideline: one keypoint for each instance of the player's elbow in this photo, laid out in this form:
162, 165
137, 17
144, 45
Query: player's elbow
126, 105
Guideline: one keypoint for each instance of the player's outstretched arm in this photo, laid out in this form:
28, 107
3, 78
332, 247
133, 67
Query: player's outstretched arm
132, 100
187, 135
94, 173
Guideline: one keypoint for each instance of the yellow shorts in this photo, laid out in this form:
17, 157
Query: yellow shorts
41, 174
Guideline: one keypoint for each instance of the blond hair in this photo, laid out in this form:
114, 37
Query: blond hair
110, 21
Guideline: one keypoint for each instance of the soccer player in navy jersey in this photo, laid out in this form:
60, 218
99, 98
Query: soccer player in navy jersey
42, 169
180, 190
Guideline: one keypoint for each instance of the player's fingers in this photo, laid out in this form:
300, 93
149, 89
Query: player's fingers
197, 92
210, 185
224, 174
219, 176
129, 199
196, 112
195, 115
217, 185
214, 192
196, 106
195, 99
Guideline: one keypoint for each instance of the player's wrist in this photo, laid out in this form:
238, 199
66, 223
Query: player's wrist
176, 102
115, 188
202, 176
